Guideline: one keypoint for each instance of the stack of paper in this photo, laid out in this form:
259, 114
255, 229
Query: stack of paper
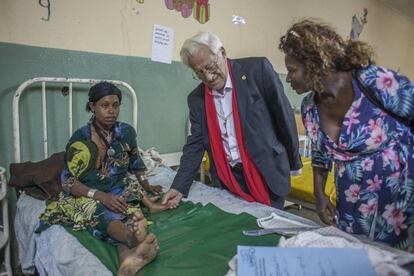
267, 261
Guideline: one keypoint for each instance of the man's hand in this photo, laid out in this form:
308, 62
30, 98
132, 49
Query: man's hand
325, 210
172, 198
113, 202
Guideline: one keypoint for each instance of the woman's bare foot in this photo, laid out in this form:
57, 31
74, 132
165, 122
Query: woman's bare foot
140, 226
136, 258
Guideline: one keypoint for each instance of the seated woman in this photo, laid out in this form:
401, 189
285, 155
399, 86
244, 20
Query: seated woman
371, 147
98, 194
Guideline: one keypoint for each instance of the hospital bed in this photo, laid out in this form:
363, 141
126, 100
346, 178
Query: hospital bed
212, 217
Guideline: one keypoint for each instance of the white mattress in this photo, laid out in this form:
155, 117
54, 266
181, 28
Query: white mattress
56, 252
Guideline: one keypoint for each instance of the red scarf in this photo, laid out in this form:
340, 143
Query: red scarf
256, 184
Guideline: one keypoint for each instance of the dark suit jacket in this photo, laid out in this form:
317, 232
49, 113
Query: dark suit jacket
268, 126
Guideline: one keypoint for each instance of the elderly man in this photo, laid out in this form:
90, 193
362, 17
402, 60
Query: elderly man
241, 116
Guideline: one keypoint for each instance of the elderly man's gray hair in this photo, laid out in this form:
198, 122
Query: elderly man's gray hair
192, 45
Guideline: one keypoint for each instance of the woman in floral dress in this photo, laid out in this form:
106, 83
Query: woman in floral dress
373, 152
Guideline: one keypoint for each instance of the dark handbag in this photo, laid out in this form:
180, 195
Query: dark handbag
373, 98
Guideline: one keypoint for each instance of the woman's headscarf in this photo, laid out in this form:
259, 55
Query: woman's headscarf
100, 90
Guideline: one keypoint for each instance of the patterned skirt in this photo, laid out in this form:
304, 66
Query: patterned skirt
82, 213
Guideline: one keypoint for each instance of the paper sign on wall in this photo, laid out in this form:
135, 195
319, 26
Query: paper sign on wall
162, 43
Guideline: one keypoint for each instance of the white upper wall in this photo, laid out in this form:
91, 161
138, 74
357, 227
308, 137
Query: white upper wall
108, 26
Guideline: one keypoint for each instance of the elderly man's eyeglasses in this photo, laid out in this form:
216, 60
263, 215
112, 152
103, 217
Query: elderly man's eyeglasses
210, 68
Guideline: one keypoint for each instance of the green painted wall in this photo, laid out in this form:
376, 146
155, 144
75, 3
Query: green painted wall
161, 90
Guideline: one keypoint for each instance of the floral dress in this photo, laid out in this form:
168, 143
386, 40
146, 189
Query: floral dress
374, 158
87, 213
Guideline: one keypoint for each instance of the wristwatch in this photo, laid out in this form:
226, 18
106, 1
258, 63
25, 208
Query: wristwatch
91, 193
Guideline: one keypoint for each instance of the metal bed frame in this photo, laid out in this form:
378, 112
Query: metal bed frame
16, 137
4, 226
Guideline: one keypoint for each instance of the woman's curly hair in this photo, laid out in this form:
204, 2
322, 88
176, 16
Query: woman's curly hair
318, 46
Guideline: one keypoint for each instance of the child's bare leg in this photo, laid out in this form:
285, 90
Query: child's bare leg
132, 260
152, 206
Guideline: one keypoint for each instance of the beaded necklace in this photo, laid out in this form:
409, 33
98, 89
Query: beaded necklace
106, 140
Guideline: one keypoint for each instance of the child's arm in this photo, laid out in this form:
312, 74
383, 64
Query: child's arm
155, 189
137, 165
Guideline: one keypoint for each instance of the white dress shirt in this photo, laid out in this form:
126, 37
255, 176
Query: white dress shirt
224, 108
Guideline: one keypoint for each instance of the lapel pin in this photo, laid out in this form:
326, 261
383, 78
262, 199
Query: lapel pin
244, 77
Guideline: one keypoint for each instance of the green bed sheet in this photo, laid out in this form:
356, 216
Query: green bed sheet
194, 240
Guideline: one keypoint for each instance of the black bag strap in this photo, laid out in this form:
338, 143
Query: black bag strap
372, 97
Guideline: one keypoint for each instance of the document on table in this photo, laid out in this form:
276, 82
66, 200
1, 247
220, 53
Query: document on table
272, 261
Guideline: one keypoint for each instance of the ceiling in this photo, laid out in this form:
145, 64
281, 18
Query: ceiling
404, 7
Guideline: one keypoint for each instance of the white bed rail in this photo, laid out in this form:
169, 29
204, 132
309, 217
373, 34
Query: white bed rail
44, 80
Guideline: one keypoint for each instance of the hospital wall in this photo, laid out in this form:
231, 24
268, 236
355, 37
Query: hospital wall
112, 40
